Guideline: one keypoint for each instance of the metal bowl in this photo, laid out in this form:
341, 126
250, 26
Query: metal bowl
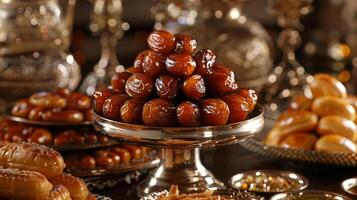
310, 195
182, 137
348, 184
99, 197
301, 182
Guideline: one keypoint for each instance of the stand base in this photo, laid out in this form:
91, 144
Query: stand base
182, 168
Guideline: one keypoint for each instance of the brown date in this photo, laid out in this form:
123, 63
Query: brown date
47, 100
185, 43
238, 106
139, 86
63, 92
205, 60
181, 65
138, 67
135, 152
115, 157
36, 113
69, 116
99, 98
118, 81
14, 132
123, 153
161, 41
22, 108
152, 63
91, 138
188, 114
40, 136
251, 97
194, 87
221, 81
159, 112
131, 111
104, 162
111, 107
87, 162
214, 112
78, 101
102, 139
167, 86
68, 137
133, 70
88, 115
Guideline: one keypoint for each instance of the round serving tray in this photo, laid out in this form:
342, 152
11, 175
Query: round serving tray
9, 116
310, 194
182, 137
229, 193
72, 147
134, 166
99, 197
257, 145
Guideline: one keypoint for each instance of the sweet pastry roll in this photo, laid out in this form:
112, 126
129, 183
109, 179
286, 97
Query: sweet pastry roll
33, 157
327, 85
335, 144
76, 186
23, 185
299, 141
59, 192
297, 121
328, 105
337, 125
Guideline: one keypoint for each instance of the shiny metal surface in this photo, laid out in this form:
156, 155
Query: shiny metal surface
182, 137
99, 197
9, 116
181, 164
179, 167
300, 180
151, 163
230, 193
310, 194
348, 184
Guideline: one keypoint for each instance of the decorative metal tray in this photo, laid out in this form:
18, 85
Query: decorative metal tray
99, 197
182, 137
310, 194
231, 194
9, 116
71, 147
134, 166
257, 145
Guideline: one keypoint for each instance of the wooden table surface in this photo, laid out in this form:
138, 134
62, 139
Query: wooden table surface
226, 161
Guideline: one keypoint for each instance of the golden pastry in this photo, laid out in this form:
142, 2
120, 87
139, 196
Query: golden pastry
337, 125
325, 106
335, 144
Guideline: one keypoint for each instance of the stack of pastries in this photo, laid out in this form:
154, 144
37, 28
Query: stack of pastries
31, 171
324, 119
172, 84
60, 106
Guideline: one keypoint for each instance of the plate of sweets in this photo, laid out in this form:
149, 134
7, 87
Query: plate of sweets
59, 108
316, 127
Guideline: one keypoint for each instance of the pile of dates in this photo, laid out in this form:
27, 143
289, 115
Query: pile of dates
172, 84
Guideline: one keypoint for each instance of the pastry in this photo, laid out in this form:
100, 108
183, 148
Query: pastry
23, 185
328, 105
337, 125
31, 156
335, 144
76, 186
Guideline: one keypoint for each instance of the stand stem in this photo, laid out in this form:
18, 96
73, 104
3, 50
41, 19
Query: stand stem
180, 167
